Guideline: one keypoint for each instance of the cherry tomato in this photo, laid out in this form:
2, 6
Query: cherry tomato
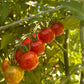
34, 35
37, 46
29, 60
58, 28
46, 35
13, 74
26, 41
18, 54
4, 65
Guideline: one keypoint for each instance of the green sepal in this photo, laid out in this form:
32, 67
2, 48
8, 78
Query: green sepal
23, 49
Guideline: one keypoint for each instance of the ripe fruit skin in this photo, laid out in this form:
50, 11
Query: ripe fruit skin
58, 28
29, 60
46, 35
13, 74
4, 65
18, 54
26, 41
37, 46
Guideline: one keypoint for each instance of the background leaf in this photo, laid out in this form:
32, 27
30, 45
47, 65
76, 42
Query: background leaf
70, 22
6, 39
76, 8
4, 10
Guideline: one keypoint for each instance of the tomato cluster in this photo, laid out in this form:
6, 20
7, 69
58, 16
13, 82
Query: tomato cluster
28, 60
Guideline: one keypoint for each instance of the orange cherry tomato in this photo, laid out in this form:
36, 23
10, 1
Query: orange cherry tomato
4, 65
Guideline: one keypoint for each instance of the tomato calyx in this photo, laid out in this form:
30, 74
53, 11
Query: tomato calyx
34, 37
24, 48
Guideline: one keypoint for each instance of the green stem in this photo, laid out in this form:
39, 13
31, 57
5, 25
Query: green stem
66, 46
82, 47
60, 46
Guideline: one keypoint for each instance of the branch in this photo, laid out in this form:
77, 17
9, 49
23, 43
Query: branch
66, 46
28, 18
60, 46
82, 49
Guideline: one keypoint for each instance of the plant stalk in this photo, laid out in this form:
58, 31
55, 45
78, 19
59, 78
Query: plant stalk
82, 49
28, 18
60, 46
66, 46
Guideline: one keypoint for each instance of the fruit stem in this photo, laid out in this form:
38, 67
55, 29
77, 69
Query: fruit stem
82, 49
66, 46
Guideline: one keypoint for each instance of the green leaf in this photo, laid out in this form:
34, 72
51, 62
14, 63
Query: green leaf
61, 66
3, 82
49, 82
5, 40
4, 11
1, 76
70, 22
68, 81
76, 8
32, 77
50, 52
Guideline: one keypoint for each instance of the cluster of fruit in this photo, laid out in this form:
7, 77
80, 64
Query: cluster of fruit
27, 56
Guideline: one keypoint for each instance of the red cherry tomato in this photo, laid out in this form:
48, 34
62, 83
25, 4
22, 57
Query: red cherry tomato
26, 41
58, 28
29, 60
34, 35
46, 35
4, 65
37, 46
18, 54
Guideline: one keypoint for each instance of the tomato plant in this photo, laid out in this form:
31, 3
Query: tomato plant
29, 60
57, 28
37, 46
46, 35
13, 74
4, 65
66, 50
